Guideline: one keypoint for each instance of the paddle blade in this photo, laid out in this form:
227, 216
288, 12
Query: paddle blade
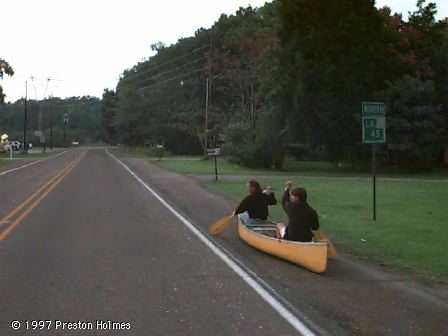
320, 236
219, 225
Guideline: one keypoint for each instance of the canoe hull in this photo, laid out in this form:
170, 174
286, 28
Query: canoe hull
312, 256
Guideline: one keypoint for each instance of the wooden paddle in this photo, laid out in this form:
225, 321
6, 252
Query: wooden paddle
220, 225
320, 236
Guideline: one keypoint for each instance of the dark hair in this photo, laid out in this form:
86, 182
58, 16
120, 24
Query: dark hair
300, 193
255, 185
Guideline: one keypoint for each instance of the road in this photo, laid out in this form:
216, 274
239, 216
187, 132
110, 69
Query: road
83, 240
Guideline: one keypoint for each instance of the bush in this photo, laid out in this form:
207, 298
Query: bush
261, 147
255, 155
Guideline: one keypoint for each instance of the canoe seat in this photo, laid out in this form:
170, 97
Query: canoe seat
261, 223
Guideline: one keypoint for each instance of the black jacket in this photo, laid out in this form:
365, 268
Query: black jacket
302, 219
257, 205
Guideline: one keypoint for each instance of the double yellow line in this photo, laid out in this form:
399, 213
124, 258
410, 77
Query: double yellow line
27, 205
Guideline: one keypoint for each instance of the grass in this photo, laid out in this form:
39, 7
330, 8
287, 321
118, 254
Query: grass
291, 168
142, 153
19, 155
195, 165
410, 231
139, 152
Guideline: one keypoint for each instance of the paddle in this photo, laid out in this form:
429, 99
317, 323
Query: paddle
320, 236
220, 225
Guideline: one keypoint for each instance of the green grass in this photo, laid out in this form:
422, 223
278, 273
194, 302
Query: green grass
291, 168
142, 153
18, 155
197, 166
207, 167
411, 229
128, 152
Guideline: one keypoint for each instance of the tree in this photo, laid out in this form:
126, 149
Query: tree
290, 74
333, 58
108, 114
415, 138
245, 78
84, 116
5, 68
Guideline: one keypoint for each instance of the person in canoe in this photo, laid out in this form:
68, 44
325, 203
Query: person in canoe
254, 207
302, 218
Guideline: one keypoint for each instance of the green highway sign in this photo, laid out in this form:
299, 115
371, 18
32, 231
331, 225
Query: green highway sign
373, 122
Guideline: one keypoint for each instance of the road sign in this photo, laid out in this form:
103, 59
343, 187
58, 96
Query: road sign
214, 151
373, 122
373, 131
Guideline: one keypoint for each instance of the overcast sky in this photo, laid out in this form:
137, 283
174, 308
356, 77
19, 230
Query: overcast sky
88, 43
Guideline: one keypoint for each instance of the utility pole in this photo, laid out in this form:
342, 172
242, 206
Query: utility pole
210, 64
25, 146
208, 86
65, 125
206, 116
40, 117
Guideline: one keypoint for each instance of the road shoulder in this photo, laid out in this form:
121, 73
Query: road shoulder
371, 287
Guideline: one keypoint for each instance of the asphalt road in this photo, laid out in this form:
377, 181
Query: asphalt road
82, 240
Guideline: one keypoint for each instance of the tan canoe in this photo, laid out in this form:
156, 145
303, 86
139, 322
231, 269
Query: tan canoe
312, 256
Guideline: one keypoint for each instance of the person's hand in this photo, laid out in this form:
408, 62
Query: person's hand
268, 190
288, 185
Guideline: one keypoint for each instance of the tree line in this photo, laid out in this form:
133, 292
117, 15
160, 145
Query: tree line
288, 78
82, 115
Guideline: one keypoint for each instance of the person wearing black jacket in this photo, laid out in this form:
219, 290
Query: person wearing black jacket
255, 206
302, 218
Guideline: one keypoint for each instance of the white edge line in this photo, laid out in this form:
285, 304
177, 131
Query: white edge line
31, 163
272, 301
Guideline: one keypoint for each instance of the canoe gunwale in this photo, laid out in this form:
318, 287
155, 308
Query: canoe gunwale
283, 241
310, 255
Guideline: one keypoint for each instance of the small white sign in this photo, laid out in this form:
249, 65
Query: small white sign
214, 151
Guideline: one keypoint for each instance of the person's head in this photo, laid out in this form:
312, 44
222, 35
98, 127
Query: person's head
253, 187
298, 195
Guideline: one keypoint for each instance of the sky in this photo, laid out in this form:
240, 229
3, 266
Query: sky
86, 44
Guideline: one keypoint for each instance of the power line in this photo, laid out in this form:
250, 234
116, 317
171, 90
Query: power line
171, 79
163, 82
159, 74
171, 61
34, 86
76, 104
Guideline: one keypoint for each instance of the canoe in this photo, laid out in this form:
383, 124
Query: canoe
312, 256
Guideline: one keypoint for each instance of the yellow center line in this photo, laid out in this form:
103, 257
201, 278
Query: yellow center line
56, 181
30, 198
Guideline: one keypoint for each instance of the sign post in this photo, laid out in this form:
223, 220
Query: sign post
215, 152
160, 150
373, 132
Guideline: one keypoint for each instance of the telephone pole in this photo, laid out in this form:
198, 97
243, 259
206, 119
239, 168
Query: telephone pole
65, 126
40, 117
25, 147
